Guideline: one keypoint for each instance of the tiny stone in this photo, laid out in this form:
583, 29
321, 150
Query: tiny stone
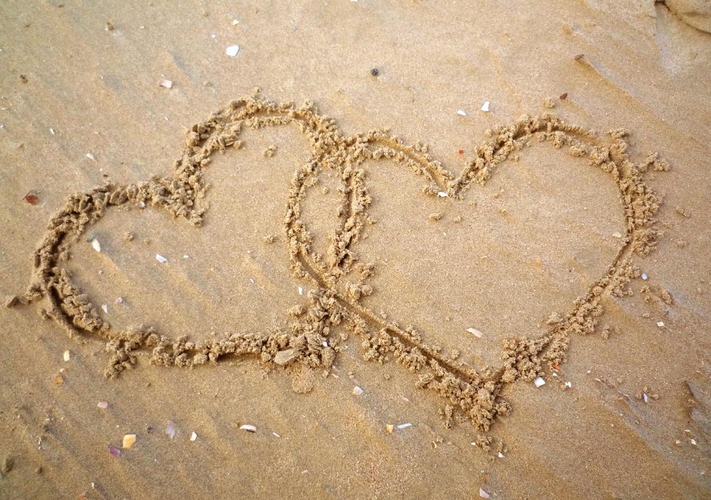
375, 72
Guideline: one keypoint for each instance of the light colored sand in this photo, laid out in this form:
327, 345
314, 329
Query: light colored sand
644, 70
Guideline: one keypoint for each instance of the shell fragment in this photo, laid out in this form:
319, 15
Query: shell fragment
475, 332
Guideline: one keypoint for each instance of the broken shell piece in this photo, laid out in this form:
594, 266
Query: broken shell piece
483, 494
404, 426
475, 332
442, 194
461, 112
660, 324
568, 385
389, 428
539, 382
91, 156
485, 107
286, 356
105, 307
248, 428
170, 430
357, 391
301, 291
166, 84
193, 436
103, 405
232, 50
96, 245
617, 235
128, 441
67, 356
161, 259
501, 455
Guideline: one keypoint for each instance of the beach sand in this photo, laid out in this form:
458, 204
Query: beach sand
378, 251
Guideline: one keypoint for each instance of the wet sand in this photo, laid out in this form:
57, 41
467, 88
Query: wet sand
406, 291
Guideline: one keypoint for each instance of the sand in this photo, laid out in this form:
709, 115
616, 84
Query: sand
387, 289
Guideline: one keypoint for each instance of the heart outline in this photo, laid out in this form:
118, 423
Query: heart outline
474, 394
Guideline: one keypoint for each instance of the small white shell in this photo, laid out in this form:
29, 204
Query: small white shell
539, 382
96, 245
475, 332
485, 107
461, 112
248, 428
357, 391
161, 259
232, 50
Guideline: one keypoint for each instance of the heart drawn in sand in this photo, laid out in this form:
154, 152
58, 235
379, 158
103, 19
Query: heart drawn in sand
341, 299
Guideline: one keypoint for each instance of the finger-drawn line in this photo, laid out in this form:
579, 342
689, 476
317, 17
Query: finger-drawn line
340, 277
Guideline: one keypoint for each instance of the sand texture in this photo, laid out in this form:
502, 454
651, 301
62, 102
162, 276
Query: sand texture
353, 250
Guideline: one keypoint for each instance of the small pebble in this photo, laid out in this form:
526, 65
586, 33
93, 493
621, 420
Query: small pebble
232, 50
539, 382
375, 72
128, 441
103, 405
96, 245
357, 391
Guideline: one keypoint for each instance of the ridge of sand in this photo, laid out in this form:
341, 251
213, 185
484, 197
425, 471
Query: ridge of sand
341, 279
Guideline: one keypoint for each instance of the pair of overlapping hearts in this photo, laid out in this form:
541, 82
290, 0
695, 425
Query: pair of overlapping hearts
340, 278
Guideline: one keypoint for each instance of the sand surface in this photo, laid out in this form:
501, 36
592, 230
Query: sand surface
326, 237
